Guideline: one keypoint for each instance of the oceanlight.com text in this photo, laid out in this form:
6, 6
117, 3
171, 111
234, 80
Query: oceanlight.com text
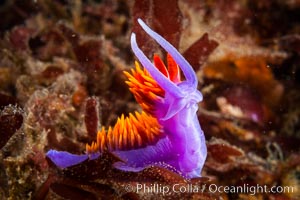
210, 188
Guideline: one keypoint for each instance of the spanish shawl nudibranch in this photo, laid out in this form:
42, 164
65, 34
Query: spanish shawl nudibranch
167, 132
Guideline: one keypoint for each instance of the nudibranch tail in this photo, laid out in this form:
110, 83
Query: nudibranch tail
65, 159
180, 60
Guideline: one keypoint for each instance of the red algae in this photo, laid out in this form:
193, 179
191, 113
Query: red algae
199, 51
92, 117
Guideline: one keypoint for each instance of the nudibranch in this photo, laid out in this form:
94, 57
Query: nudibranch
167, 132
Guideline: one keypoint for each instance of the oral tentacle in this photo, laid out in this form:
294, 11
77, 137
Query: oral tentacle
162, 80
180, 60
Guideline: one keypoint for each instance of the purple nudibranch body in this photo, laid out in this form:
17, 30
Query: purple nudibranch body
183, 146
